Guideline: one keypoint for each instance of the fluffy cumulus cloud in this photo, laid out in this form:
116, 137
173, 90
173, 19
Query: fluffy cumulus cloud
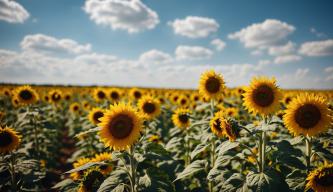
194, 27
317, 48
12, 12
286, 49
301, 73
132, 15
263, 35
218, 44
155, 57
41, 43
184, 52
287, 59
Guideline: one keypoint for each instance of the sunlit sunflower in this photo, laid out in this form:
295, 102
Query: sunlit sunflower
106, 158
55, 96
287, 99
231, 112
74, 107
320, 179
135, 93
67, 96
95, 114
114, 94
91, 181
86, 105
195, 97
183, 101
149, 107
222, 126
262, 96
181, 118
25, 95
216, 124
120, 126
9, 139
80, 162
307, 114
99, 94
211, 85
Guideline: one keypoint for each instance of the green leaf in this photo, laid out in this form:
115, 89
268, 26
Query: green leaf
226, 146
114, 180
85, 166
198, 149
296, 180
194, 167
156, 151
93, 130
268, 181
119, 188
156, 180
62, 184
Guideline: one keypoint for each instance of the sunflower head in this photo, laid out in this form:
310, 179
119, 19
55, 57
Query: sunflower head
120, 126
114, 94
321, 179
92, 179
67, 96
26, 95
222, 126
231, 112
262, 96
80, 162
95, 114
183, 101
9, 139
211, 85
105, 157
55, 96
307, 114
215, 124
99, 94
149, 107
181, 118
74, 107
135, 93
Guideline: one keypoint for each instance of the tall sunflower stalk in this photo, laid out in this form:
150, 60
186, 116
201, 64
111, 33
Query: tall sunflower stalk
212, 154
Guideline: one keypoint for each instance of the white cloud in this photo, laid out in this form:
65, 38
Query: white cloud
317, 33
287, 59
184, 52
263, 35
263, 63
219, 44
133, 15
257, 52
40, 43
155, 57
12, 12
194, 27
329, 70
317, 48
301, 73
286, 49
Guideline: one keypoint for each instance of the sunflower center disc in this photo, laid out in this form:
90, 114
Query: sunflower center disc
98, 115
5, 139
121, 126
101, 95
56, 97
263, 96
25, 95
213, 85
76, 108
114, 95
183, 118
149, 108
307, 116
326, 180
137, 94
183, 102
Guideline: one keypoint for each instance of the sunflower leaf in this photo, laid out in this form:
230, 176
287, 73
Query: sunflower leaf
194, 167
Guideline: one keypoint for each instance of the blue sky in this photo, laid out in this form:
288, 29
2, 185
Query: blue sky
166, 43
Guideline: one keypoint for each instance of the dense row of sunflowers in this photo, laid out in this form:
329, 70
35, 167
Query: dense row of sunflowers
253, 138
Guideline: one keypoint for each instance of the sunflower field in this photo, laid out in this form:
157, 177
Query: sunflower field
252, 138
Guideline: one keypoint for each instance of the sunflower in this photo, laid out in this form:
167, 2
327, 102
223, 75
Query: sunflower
262, 96
287, 98
99, 94
95, 114
80, 162
231, 112
120, 126
222, 126
25, 95
9, 139
67, 96
307, 114
135, 93
215, 124
55, 96
91, 181
114, 94
149, 107
183, 101
181, 118
211, 85
74, 107
320, 179
106, 157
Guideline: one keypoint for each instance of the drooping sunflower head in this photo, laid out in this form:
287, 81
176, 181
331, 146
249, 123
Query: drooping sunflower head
181, 118
120, 126
99, 94
222, 126
320, 179
26, 95
74, 107
211, 85
95, 114
307, 114
92, 179
9, 139
80, 162
115, 94
106, 158
262, 96
149, 107
55, 96
215, 124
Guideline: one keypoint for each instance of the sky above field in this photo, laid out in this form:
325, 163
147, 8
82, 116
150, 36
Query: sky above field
166, 43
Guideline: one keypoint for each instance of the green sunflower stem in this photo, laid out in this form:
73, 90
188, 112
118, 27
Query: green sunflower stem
211, 184
263, 138
187, 145
12, 171
308, 153
132, 170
